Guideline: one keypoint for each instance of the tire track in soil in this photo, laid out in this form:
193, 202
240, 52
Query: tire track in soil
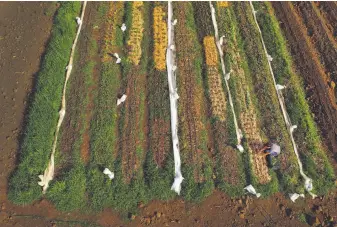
329, 15
321, 100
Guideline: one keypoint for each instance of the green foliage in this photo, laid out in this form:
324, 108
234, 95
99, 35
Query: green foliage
43, 113
306, 135
159, 180
193, 191
68, 194
203, 18
301, 217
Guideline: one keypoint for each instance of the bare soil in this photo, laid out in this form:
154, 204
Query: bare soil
320, 37
329, 13
24, 31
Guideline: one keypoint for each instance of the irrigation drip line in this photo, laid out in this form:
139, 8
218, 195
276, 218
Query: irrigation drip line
226, 76
170, 59
49, 171
308, 181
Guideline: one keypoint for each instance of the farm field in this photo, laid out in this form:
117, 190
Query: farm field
130, 115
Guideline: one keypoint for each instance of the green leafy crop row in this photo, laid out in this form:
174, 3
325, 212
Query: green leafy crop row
43, 114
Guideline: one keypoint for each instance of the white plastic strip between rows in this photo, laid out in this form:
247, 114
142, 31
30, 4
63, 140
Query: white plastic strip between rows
49, 171
170, 59
226, 76
307, 181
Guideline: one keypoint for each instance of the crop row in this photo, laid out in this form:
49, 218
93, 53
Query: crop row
43, 114
159, 166
312, 153
159, 37
104, 125
68, 190
216, 93
196, 165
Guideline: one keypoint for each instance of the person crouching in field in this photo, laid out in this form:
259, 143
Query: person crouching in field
269, 151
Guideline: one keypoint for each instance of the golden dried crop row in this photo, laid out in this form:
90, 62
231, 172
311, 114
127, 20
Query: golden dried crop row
210, 51
223, 4
216, 93
110, 29
249, 125
136, 33
217, 96
160, 38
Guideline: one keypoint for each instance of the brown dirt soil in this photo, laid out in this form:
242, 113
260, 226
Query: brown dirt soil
27, 20
319, 96
320, 37
329, 13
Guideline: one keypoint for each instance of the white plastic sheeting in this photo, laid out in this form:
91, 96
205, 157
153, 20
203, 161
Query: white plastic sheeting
295, 196
252, 190
78, 20
227, 76
170, 58
123, 28
110, 174
290, 127
121, 100
49, 171
118, 59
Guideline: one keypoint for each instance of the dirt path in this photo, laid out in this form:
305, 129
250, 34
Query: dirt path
321, 101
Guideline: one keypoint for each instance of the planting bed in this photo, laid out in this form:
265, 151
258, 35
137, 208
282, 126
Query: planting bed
159, 158
319, 92
196, 165
134, 140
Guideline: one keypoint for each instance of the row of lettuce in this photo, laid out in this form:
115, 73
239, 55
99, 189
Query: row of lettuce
133, 140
